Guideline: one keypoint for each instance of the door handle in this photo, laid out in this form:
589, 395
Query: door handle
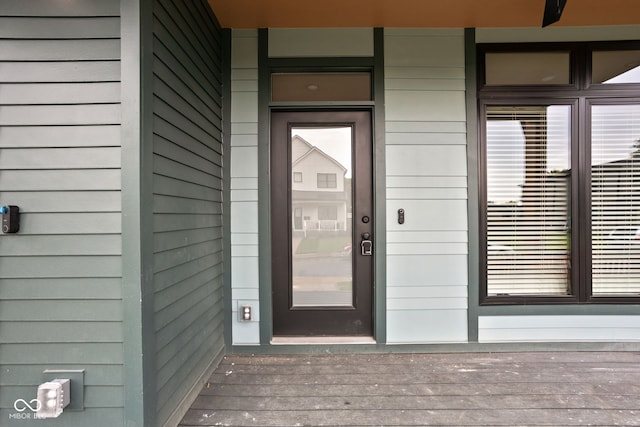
366, 245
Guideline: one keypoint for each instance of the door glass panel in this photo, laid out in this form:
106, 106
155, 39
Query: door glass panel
321, 209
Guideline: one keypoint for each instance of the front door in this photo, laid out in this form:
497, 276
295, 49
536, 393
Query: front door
322, 223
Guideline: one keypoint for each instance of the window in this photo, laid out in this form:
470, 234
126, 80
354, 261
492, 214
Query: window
340, 86
327, 213
560, 175
327, 180
297, 177
528, 175
615, 199
527, 68
615, 66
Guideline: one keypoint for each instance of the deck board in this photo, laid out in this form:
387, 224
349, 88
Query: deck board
461, 389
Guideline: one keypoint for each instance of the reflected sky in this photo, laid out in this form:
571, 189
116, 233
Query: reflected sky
333, 141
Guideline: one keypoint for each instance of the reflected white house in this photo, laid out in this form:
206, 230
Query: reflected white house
320, 192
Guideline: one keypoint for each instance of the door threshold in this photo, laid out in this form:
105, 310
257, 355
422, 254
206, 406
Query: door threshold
321, 340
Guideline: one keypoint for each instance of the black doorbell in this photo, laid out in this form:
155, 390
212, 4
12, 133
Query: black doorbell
10, 219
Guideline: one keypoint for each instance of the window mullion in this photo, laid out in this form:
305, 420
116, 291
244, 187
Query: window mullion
582, 200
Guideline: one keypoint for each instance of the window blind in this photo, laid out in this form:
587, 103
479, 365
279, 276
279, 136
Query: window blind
527, 199
615, 199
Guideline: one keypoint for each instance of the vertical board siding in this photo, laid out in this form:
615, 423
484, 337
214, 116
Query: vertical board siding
244, 184
60, 276
187, 198
427, 177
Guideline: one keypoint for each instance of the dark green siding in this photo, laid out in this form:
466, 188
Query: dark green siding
60, 277
187, 198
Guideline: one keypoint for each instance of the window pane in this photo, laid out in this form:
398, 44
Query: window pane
289, 87
616, 66
327, 180
615, 199
527, 68
528, 186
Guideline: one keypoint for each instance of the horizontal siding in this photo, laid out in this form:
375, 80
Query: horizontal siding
244, 184
558, 328
61, 180
51, 71
59, 93
60, 276
59, 50
60, 136
29, 27
49, 9
87, 114
426, 170
187, 199
60, 288
60, 158
65, 201
557, 34
104, 377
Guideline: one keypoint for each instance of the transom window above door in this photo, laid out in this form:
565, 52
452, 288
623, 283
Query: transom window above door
325, 87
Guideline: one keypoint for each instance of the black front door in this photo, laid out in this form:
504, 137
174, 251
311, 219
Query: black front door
322, 223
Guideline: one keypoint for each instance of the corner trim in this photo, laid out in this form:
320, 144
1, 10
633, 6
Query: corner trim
137, 221
226, 186
473, 274
264, 189
380, 193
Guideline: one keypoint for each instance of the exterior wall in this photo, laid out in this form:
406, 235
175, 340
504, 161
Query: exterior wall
428, 281
556, 323
244, 184
318, 43
60, 276
187, 200
609, 328
244, 148
427, 177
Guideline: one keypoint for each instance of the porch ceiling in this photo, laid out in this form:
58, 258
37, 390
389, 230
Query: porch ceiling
418, 13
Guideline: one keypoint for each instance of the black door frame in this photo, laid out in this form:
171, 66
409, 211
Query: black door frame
322, 321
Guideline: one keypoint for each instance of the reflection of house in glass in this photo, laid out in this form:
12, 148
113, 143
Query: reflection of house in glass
320, 192
615, 195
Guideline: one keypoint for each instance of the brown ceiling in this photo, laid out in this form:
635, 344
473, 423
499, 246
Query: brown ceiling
417, 13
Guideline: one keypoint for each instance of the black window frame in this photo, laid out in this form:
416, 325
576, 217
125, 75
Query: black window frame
581, 94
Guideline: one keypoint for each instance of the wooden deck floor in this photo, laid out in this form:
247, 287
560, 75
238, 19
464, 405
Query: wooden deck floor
460, 389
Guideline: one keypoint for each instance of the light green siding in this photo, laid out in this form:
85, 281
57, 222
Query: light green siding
426, 176
244, 184
187, 201
320, 42
560, 328
60, 276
